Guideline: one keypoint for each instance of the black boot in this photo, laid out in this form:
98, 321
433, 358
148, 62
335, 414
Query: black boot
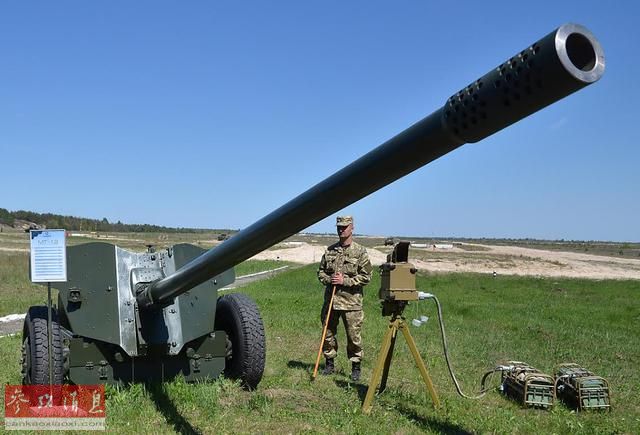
355, 371
329, 367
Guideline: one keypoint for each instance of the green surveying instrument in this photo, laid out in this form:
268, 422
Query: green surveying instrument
397, 289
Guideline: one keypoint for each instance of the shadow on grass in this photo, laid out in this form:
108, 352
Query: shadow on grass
169, 411
431, 423
292, 364
361, 389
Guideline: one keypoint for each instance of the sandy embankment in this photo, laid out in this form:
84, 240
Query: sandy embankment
507, 260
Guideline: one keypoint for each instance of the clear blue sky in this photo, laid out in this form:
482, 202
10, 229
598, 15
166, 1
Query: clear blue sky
213, 114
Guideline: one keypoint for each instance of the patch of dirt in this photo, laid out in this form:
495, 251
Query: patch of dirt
2, 248
103, 237
297, 400
505, 260
307, 254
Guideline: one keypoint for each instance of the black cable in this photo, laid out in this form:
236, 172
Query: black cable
445, 347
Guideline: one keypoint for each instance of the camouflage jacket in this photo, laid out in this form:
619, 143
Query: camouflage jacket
354, 264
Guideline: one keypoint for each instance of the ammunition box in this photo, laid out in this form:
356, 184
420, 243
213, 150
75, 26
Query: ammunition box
579, 388
528, 385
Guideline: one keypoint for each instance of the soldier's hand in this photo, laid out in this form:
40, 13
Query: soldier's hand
337, 278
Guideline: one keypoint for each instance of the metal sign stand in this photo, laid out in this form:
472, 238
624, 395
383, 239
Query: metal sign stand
48, 264
49, 337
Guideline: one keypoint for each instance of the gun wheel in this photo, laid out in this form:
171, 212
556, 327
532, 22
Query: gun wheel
238, 316
35, 348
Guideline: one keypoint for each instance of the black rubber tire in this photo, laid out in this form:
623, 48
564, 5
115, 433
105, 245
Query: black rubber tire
35, 348
239, 317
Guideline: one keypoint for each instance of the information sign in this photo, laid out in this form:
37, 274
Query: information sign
48, 256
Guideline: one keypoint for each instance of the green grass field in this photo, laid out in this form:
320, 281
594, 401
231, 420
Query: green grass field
17, 292
541, 321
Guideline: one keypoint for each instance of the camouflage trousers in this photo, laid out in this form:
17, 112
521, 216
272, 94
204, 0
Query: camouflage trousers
352, 321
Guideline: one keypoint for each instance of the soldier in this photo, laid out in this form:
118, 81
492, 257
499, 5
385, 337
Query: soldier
346, 266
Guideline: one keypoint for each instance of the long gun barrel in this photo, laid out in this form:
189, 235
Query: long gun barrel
557, 65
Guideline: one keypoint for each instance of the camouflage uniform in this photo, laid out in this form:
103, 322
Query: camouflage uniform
354, 264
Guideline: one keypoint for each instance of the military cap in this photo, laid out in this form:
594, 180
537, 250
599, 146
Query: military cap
343, 221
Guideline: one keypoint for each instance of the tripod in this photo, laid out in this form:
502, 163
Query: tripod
381, 370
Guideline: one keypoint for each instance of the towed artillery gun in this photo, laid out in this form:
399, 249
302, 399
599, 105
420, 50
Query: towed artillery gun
126, 317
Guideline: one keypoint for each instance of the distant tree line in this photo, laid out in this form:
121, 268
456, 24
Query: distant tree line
6, 217
74, 223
